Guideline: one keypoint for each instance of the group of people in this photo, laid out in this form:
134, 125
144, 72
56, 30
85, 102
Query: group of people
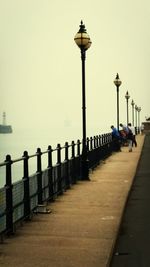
126, 136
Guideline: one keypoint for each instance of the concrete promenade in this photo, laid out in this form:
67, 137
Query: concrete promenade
82, 228
133, 243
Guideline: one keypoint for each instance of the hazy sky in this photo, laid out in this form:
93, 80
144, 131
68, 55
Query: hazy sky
40, 64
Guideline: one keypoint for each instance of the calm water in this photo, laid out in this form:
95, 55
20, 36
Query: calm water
20, 140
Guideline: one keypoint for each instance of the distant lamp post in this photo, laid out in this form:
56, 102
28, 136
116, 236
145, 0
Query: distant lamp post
83, 41
117, 82
139, 110
127, 96
136, 109
132, 103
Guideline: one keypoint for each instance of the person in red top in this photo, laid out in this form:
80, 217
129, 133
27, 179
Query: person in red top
129, 135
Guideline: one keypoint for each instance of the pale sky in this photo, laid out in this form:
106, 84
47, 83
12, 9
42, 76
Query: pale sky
40, 64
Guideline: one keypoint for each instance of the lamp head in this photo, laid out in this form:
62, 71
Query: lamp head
117, 81
82, 39
127, 96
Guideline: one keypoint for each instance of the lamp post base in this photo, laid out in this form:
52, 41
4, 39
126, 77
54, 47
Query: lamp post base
85, 169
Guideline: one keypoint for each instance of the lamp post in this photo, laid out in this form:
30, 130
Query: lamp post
83, 41
132, 103
139, 110
136, 108
127, 96
117, 82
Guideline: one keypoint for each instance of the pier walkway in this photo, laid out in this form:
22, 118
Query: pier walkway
82, 227
133, 243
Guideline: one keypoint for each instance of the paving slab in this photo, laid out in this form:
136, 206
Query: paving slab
82, 227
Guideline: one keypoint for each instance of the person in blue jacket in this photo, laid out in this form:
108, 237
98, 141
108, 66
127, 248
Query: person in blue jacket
116, 139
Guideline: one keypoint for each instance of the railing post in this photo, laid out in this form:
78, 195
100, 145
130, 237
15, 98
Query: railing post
79, 158
91, 143
99, 141
9, 199
99, 146
88, 144
73, 151
60, 189
50, 174
78, 148
27, 208
73, 171
102, 139
67, 166
39, 176
94, 142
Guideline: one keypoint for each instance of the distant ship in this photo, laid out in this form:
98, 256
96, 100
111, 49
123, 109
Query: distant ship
4, 128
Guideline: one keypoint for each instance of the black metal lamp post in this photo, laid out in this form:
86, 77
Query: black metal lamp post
127, 96
132, 103
83, 41
136, 108
117, 82
139, 110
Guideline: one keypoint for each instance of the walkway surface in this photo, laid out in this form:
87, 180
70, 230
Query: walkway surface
133, 244
81, 230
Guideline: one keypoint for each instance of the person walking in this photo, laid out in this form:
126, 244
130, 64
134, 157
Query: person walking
132, 128
130, 139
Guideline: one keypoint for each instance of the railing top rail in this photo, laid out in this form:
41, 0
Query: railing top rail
2, 164
34, 155
46, 151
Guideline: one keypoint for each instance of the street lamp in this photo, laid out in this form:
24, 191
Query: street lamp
132, 103
127, 96
139, 109
136, 109
117, 82
83, 41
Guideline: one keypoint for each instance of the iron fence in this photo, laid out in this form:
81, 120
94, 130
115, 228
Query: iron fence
20, 199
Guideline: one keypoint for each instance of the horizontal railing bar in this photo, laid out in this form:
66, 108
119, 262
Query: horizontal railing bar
3, 164
42, 152
30, 156
18, 204
34, 155
16, 160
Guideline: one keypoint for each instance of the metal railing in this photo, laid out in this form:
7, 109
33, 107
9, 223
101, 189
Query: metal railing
20, 199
